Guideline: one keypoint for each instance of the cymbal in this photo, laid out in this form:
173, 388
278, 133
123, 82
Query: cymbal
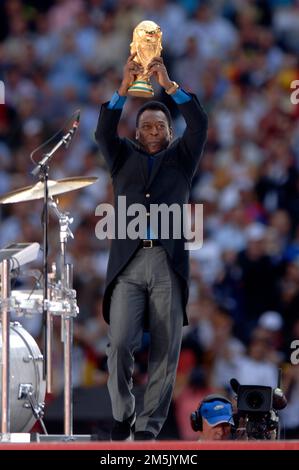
36, 191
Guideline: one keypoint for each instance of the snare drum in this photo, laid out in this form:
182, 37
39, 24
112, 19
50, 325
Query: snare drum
26, 363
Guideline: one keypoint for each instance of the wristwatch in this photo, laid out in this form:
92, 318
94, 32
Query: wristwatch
173, 88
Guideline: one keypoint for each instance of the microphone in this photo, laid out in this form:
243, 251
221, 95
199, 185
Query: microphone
234, 385
66, 140
279, 399
68, 137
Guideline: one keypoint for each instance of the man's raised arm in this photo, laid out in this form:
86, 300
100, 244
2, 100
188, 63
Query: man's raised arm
106, 132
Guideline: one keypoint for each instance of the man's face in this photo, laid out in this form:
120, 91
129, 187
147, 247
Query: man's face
220, 432
153, 132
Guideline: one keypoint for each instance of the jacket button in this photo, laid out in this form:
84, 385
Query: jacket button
147, 195
148, 214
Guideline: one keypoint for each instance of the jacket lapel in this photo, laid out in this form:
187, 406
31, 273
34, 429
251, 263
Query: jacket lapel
156, 166
143, 166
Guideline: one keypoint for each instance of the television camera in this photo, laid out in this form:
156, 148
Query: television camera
257, 411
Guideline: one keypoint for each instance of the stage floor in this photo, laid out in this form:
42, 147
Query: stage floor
154, 445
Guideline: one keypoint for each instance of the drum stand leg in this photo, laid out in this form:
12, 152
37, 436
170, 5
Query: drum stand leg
68, 402
66, 336
5, 318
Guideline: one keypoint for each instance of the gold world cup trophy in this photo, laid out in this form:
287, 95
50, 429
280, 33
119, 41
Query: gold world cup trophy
147, 43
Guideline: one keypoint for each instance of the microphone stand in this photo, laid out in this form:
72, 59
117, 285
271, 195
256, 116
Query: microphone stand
42, 171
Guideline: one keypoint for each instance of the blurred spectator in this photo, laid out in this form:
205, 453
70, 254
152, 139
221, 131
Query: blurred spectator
255, 368
290, 415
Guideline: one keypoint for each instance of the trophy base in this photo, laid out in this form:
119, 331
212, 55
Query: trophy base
141, 89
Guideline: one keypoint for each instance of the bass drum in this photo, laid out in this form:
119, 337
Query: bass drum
26, 367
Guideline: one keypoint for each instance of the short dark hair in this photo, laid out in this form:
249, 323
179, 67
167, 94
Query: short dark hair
156, 106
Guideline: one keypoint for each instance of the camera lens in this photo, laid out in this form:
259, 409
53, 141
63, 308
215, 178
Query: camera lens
254, 400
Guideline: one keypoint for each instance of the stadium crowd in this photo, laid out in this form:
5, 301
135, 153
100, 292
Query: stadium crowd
240, 57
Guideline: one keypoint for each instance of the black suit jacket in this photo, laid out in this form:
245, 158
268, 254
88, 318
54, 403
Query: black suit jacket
169, 182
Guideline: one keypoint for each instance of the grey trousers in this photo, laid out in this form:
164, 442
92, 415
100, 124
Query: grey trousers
147, 282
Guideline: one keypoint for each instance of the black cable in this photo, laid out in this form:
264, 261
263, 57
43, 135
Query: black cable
36, 285
52, 138
16, 271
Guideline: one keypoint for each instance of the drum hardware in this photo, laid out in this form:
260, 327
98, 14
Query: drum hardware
62, 438
36, 274
51, 282
5, 371
26, 391
20, 253
32, 358
25, 303
7, 361
67, 338
25, 379
66, 272
60, 299
41, 170
15, 437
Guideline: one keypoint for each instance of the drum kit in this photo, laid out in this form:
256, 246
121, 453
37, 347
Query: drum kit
26, 374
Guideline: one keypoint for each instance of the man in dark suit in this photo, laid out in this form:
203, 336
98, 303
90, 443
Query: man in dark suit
147, 278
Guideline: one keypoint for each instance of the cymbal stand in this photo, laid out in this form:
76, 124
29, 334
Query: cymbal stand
42, 171
66, 318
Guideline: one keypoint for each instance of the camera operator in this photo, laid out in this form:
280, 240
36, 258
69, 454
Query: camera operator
213, 419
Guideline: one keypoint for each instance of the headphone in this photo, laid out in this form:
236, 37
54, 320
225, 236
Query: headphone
196, 417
